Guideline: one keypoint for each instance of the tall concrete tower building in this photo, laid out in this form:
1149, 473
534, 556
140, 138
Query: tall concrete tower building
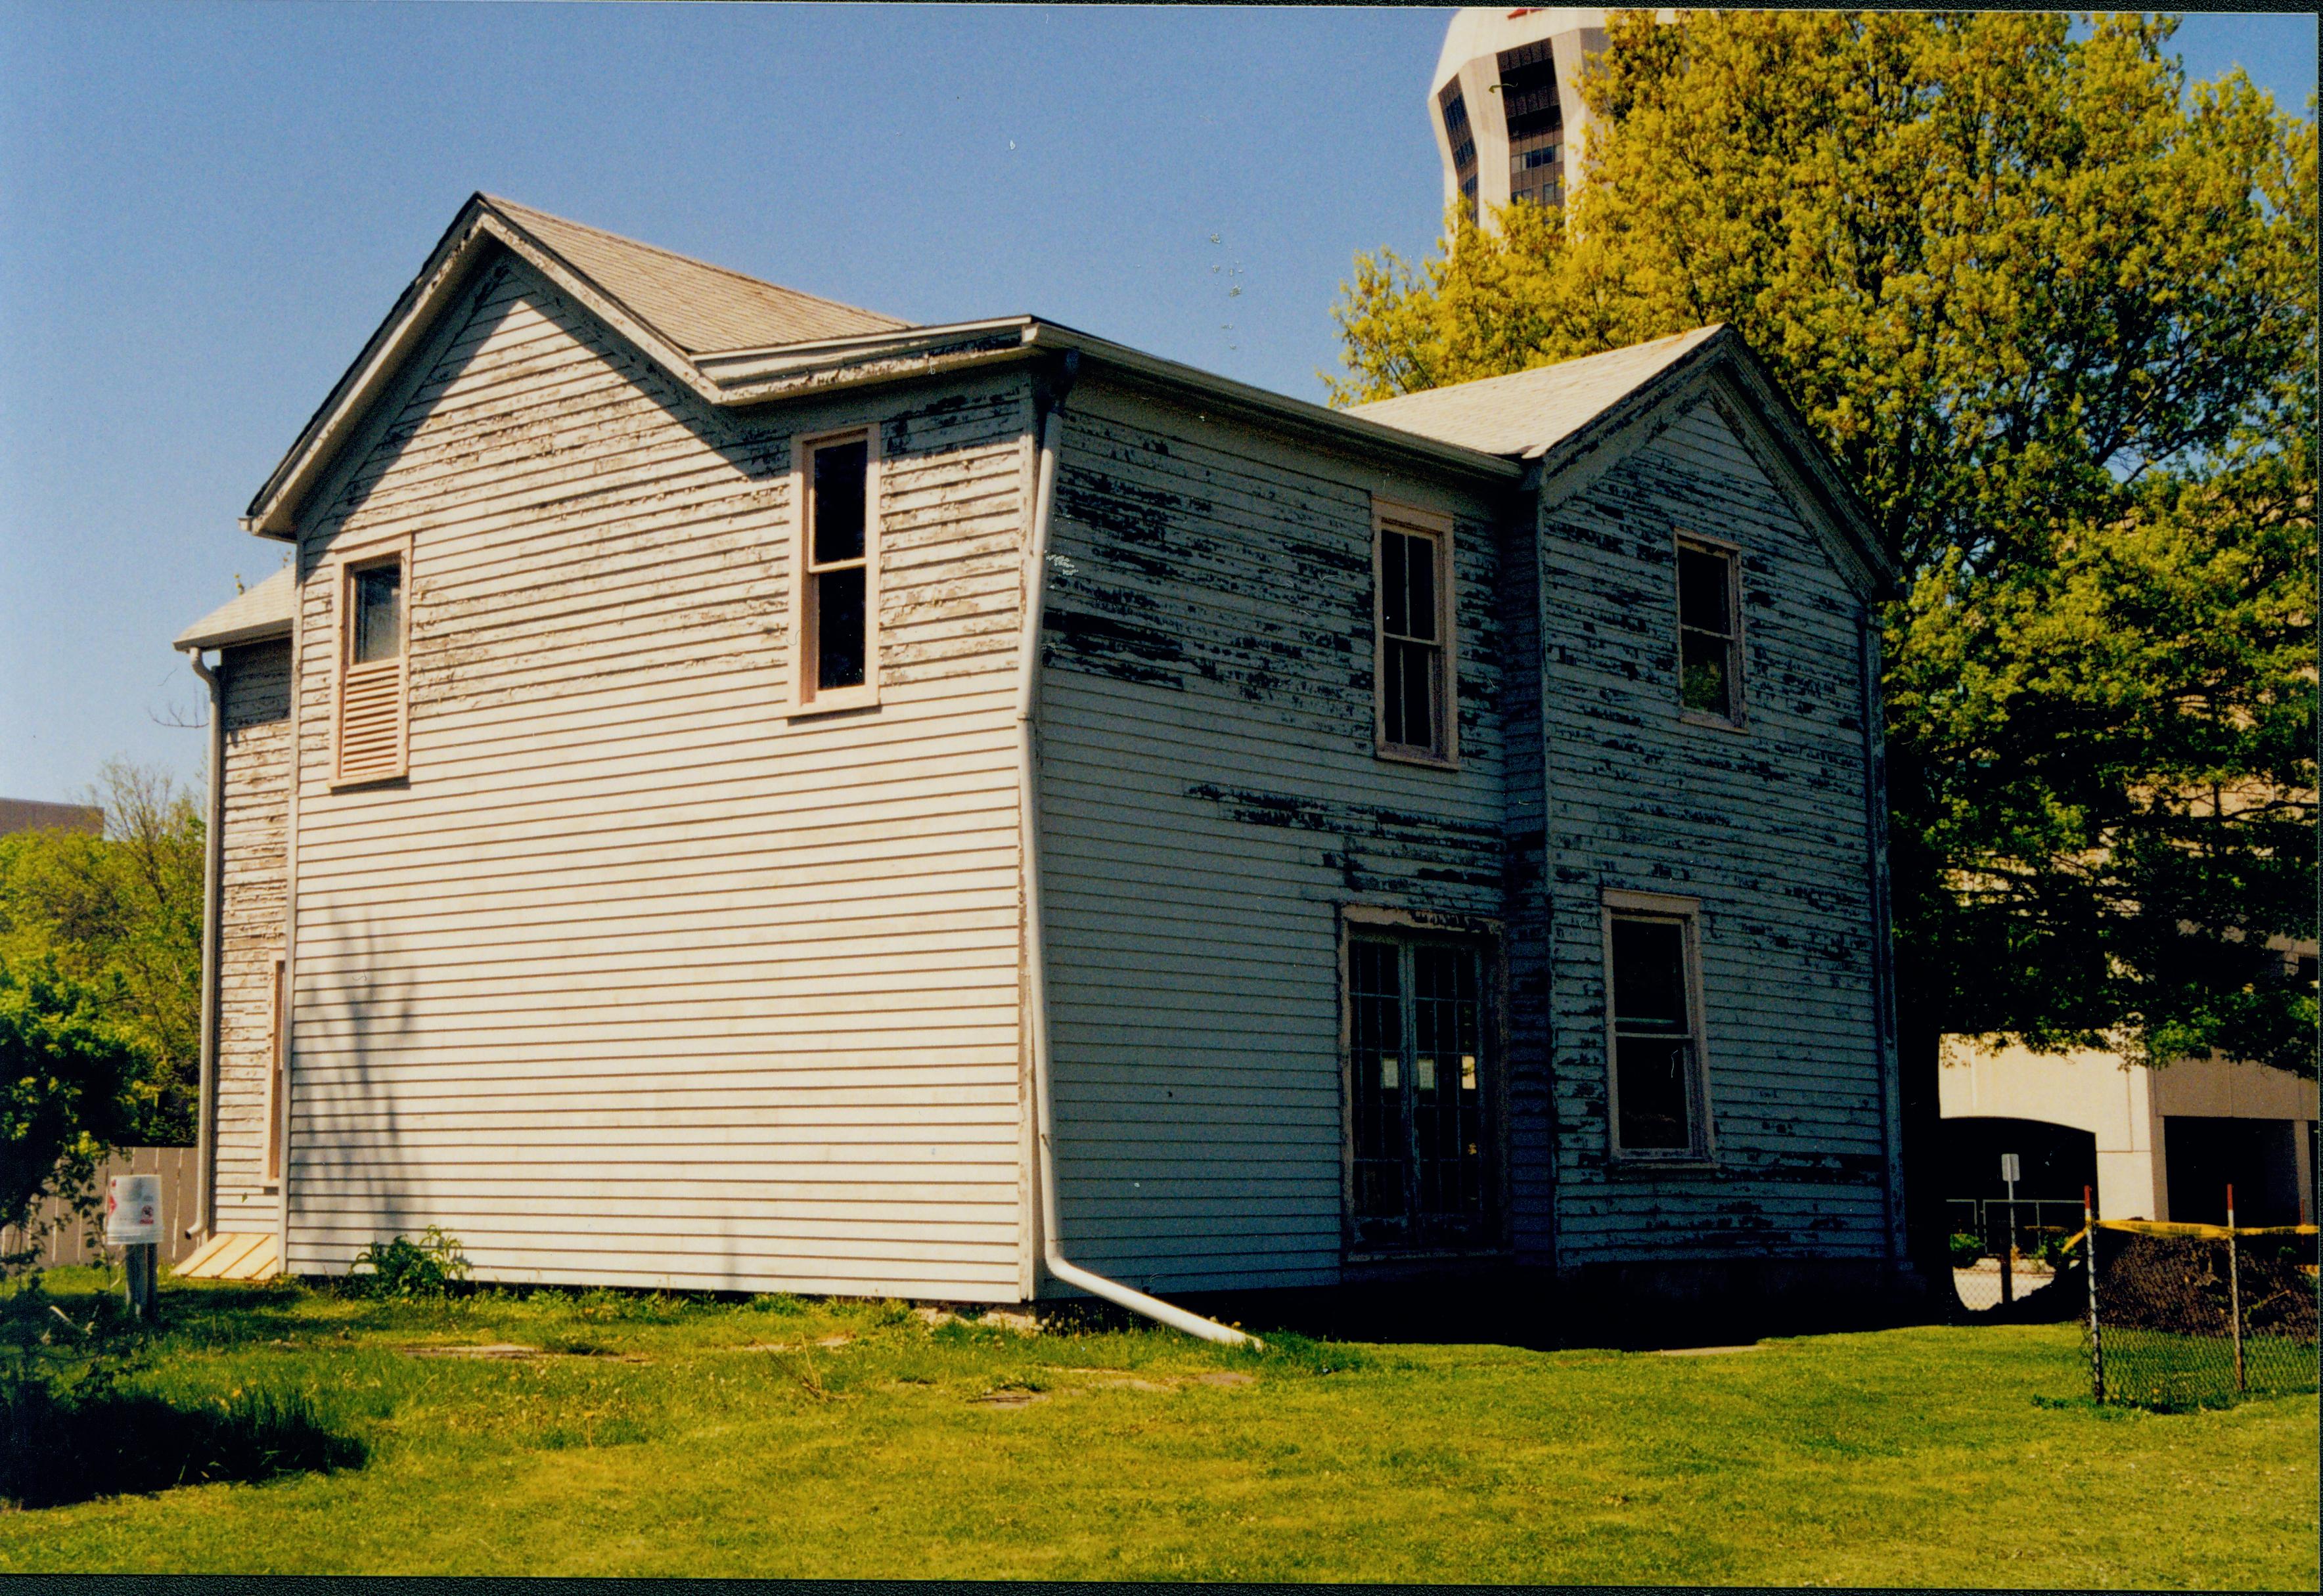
1506, 103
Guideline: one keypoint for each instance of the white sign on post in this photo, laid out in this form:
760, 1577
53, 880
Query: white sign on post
2008, 1169
132, 1211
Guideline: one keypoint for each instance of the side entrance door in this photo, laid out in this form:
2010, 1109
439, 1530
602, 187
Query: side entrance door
1419, 1092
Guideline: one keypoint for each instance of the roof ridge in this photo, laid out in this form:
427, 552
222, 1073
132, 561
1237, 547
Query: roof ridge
504, 203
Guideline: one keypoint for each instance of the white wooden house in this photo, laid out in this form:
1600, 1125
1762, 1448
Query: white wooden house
651, 848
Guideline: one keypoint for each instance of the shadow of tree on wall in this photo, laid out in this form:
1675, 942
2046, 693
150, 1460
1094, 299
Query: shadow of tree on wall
362, 1171
343, 1175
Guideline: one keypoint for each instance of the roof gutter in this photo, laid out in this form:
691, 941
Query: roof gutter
1036, 994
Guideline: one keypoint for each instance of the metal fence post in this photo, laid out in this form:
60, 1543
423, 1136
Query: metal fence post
2235, 1286
2008, 1253
2090, 1267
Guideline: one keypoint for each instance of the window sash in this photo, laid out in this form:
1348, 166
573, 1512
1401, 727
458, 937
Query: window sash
1656, 1075
1414, 714
1710, 629
835, 662
378, 620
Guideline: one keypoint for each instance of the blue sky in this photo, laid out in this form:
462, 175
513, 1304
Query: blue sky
205, 208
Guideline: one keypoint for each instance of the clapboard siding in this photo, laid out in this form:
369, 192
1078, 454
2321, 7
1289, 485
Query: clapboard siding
1208, 798
1766, 826
254, 682
634, 981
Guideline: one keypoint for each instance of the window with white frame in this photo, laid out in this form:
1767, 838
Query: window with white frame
1414, 669
1709, 629
836, 605
374, 685
1655, 1068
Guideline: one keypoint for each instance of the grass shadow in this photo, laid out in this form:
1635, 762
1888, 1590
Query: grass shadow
70, 1444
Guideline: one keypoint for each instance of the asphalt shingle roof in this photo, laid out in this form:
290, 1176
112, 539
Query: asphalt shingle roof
699, 307
263, 611
1529, 413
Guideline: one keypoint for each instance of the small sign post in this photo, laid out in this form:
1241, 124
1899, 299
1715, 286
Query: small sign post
2008, 1173
133, 1221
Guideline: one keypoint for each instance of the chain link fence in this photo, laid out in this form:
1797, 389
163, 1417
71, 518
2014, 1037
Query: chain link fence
2200, 1315
2028, 1234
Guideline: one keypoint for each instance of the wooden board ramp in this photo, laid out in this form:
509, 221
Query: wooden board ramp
234, 1256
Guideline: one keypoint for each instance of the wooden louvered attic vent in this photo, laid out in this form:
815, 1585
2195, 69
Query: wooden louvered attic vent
371, 707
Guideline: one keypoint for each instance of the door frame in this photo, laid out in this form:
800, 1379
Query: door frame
1487, 934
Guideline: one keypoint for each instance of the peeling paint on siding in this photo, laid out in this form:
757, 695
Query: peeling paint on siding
1766, 827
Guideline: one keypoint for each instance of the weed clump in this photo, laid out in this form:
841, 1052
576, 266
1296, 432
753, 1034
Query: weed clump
1293, 1353
407, 1271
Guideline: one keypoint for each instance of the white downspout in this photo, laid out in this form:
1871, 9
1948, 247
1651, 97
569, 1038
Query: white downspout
1036, 994
213, 882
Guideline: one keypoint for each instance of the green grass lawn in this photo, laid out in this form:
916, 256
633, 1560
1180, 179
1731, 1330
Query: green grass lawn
779, 1438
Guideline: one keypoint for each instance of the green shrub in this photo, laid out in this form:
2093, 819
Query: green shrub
1966, 1249
428, 1267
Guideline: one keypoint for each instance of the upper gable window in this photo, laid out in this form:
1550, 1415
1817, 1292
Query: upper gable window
378, 612
1416, 711
1709, 630
838, 604
372, 710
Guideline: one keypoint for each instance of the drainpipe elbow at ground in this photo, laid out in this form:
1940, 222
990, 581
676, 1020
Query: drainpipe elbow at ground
1036, 999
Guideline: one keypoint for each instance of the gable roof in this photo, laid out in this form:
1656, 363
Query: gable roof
700, 309
263, 611
675, 309
1528, 413
734, 340
1558, 415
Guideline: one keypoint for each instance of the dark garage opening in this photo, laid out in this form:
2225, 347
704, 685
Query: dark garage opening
2202, 1153
2057, 1160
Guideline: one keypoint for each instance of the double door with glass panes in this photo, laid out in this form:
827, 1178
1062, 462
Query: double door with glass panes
1418, 1091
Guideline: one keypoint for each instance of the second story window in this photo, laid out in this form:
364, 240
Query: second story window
837, 666
1412, 615
372, 680
1709, 630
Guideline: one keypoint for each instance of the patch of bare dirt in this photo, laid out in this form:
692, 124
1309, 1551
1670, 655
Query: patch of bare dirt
1121, 1380
514, 1350
1008, 1398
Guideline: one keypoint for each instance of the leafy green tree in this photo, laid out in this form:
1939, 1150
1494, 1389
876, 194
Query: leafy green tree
119, 918
72, 1085
2054, 310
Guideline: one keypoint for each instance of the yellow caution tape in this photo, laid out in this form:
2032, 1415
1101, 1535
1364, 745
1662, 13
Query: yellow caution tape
2214, 1233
